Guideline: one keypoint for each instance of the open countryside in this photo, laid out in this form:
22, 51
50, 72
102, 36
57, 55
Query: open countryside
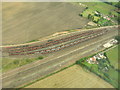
72, 77
112, 55
22, 24
60, 45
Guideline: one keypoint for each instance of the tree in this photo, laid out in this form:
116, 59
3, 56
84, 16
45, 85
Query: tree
40, 57
86, 8
80, 14
89, 16
118, 38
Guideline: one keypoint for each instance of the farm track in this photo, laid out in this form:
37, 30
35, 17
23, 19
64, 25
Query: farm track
35, 70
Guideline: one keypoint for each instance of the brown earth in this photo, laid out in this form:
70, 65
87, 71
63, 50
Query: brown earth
23, 22
73, 77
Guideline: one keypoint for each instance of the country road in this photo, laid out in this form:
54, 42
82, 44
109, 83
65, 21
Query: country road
55, 61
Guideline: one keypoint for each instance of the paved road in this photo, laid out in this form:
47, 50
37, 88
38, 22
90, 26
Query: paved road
53, 62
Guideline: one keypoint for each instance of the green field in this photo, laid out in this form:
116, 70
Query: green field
110, 74
99, 6
112, 55
10, 63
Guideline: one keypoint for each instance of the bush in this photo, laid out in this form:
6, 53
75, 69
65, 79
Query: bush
118, 38
16, 62
77, 62
28, 60
86, 8
80, 15
40, 57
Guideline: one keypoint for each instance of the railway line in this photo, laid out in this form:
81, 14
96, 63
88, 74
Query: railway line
78, 47
55, 45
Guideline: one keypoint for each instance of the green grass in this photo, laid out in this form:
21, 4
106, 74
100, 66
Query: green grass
112, 55
111, 75
9, 64
32, 41
99, 6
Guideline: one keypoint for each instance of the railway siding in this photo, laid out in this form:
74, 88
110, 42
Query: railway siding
22, 75
42, 49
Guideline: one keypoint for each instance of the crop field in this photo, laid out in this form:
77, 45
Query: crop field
28, 21
72, 77
112, 55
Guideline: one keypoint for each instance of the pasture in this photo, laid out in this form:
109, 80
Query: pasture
28, 21
72, 77
112, 55
104, 8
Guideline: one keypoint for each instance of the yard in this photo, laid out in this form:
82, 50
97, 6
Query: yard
103, 69
104, 8
102, 13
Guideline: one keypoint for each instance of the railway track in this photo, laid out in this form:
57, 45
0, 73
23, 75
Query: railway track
47, 47
36, 70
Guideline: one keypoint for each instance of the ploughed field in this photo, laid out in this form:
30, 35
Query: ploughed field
73, 77
23, 22
54, 45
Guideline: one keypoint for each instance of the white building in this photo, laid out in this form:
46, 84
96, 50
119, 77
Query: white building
107, 45
110, 43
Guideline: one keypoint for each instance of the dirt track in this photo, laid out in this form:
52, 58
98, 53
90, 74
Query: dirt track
23, 22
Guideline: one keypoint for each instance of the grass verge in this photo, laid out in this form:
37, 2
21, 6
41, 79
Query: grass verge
45, 76
9, 64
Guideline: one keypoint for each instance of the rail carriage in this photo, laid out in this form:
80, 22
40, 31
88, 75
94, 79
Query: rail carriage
25, 50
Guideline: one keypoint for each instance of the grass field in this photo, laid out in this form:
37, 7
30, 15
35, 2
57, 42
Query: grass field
28, 21
110, 74
10, 63
72, 77
99, 6
112, 55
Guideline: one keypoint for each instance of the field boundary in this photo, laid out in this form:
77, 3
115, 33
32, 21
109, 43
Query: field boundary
46, 76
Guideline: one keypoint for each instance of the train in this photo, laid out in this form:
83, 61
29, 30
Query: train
46, 47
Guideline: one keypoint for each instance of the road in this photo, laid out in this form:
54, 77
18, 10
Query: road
54, 61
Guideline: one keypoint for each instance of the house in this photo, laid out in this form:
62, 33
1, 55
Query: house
92, 60
101, 55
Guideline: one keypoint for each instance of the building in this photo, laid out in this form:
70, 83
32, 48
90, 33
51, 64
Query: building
92, 60
110, 43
